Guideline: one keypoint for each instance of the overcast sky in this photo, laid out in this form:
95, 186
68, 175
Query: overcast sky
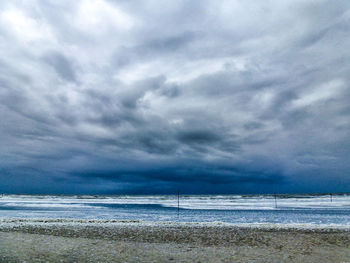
153, 96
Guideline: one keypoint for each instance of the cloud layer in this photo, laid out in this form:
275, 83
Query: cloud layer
155, 96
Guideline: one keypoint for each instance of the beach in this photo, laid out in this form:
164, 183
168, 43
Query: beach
65, 240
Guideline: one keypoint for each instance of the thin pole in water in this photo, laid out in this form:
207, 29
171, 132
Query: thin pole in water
331, 198
275, 200
178, 203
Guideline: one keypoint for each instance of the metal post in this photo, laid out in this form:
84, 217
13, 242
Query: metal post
178, 203
275, 201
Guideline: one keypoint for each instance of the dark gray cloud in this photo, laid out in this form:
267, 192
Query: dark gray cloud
150, 97
61, 65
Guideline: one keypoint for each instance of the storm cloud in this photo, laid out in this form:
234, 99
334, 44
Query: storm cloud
110, 97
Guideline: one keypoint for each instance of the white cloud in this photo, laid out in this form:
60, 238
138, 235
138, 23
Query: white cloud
329, 90
98, 17
24, 27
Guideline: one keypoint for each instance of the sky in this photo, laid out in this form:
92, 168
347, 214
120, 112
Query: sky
152, 97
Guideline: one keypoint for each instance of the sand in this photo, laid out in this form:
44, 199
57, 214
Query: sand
133, 241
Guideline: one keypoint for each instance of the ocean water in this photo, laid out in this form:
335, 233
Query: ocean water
291, 209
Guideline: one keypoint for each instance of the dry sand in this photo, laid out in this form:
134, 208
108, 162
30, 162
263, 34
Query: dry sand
113, 241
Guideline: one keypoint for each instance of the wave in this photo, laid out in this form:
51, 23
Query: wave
205, 202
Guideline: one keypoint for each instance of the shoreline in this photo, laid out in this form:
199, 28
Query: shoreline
135, 241
15, 222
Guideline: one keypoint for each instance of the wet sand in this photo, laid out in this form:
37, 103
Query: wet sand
116, 241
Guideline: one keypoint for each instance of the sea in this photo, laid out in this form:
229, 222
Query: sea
237, 209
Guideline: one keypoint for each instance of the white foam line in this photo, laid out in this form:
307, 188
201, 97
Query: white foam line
11, 223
